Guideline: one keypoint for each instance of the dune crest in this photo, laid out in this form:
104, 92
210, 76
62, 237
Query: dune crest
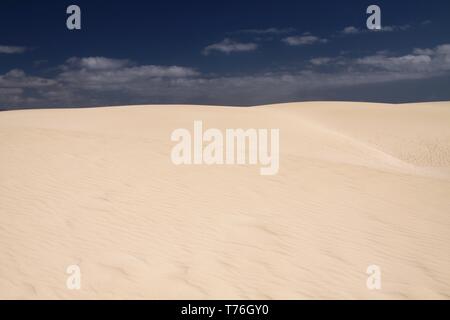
359, 184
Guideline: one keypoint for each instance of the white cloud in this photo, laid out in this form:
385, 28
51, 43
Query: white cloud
78, 84
12, 49
17, 78
11, 91
395, 28
443, 50
303, 40
97, 63
408, 62
421, 62
320, 61
268, 31
419, 51
228, 46
350, 30
102, 71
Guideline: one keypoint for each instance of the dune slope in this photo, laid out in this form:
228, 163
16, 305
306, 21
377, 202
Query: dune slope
359, 184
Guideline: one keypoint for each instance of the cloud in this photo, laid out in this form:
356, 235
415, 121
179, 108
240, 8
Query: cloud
228, 46
352, 30
80, 81
12, 49
93, 77
320, 61
17, 78
395, 28
91, 80
268, 31
419, 51
97, 63
408, 62
19, 89
303, 40
102, 71
421, 62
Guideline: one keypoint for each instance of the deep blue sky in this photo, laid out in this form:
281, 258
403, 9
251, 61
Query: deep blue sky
320, 62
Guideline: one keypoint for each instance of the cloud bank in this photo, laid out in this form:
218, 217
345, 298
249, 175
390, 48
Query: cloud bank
91, 81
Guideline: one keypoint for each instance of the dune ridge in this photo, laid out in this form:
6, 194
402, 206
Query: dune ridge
358, 184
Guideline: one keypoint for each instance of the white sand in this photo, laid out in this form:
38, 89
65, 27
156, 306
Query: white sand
359, 184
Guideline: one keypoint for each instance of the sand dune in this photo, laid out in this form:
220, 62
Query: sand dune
359, 184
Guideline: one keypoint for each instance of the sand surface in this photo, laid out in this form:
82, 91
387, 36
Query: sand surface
359, 184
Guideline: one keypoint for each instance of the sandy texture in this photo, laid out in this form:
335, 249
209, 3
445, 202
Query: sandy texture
359, 184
